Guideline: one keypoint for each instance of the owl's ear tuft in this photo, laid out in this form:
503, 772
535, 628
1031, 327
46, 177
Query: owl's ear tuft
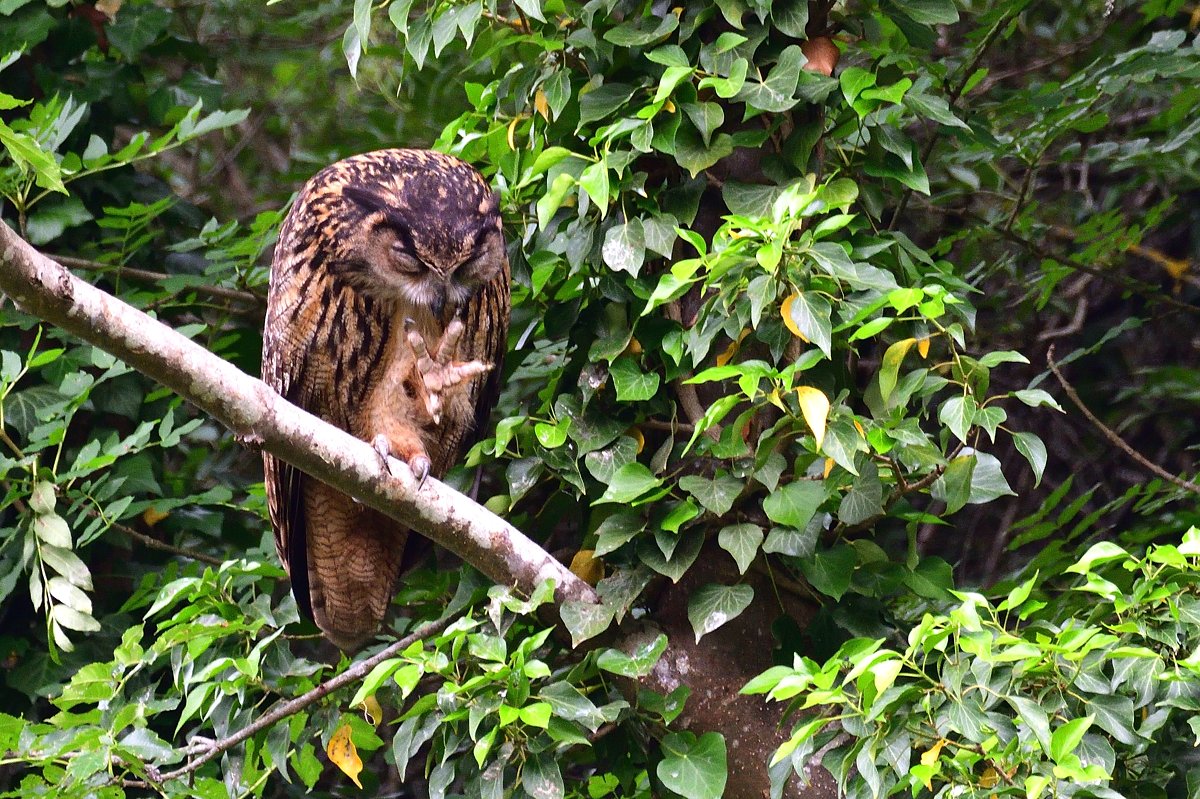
368, 199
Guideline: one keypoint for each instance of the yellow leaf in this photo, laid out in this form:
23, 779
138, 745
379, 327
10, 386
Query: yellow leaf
829, 464
859, 428
343, 754
669, 107
540, 105
152, 516
732, 349
930, 756
372, 710
587, 567
512, 132
989, 778
109, 8
923, 347
787, 319
639, 438
815, 407
634, 347
776, 400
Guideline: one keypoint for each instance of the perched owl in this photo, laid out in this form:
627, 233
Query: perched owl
387, 316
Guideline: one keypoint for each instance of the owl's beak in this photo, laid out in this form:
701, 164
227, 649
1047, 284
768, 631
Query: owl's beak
438, 302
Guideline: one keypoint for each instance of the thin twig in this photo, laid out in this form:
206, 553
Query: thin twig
163, 546
294, 706
1113, 438
158, 277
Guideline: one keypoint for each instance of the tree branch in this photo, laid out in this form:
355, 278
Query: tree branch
1115, 439
294, 706
258, 415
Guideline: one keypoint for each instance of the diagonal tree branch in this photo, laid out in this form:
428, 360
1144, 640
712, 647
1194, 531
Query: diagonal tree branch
258, 415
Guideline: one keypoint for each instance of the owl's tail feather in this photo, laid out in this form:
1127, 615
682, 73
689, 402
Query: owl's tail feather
354, 560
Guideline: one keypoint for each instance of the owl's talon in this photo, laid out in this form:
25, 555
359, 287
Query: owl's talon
420, 468
383, 447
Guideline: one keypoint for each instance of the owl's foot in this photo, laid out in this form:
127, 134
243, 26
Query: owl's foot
418, 462
438, 370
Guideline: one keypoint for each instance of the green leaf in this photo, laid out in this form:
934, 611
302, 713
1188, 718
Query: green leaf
830, 571
712, 606
635, 664
1098, 554
630, 482
929, 12
1035, 397
987, 480
795, 503
137, 27
776, 92
716, 495
28, 155
954, 486
694, 155
865, 499
536, 714
958, 414
1033, 718
585, 620
1031, 446
594, 181
624, 245
810, 313
741, 541
52, 529
1066, 738
694, 767
684, 554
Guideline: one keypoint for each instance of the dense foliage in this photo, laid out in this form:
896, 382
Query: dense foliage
779, 273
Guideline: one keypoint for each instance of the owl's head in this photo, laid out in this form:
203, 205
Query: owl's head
429, 233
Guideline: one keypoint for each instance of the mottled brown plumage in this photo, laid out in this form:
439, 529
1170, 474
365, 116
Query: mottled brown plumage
387, 316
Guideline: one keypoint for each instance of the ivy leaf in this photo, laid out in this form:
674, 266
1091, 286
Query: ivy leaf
958, 414
716, 495
585, 620
987, 480
624, 246
830, 571
1034, 450
712, 606
954, 486
1067, 737
631, 383
776, 93
628, 483
137, 27
865, 498
795, 503
814, 405
807, 315
594, 181
741, 541
635, 664
694, 767
929, 12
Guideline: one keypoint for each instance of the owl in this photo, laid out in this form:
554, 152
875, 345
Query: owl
387, 316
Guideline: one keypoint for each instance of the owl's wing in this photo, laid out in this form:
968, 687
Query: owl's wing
485, 320
296, 364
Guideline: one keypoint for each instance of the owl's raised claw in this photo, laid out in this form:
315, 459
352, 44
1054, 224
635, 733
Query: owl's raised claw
438, 370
